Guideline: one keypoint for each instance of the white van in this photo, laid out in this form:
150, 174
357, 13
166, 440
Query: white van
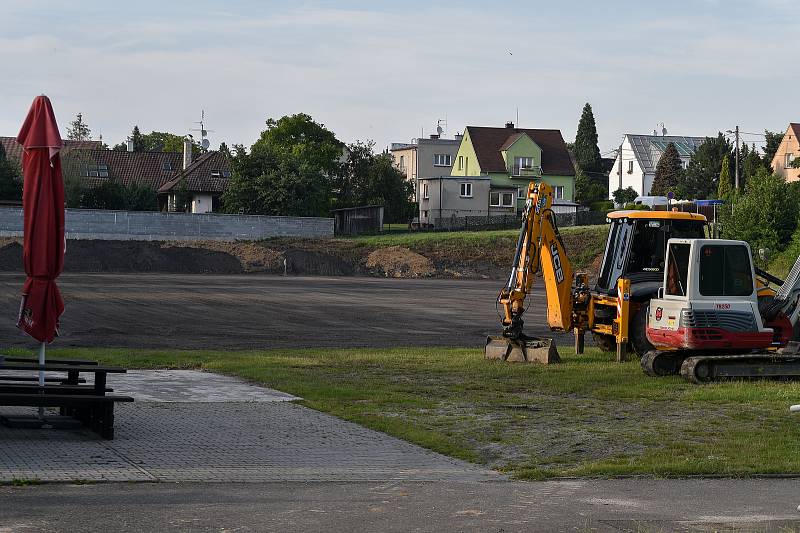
651, 201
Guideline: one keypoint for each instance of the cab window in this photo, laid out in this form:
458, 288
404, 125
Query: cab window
677, 269
725, 271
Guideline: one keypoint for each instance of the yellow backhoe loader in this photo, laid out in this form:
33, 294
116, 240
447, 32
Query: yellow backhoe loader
615, 309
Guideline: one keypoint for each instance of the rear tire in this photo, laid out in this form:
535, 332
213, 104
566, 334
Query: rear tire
638, 331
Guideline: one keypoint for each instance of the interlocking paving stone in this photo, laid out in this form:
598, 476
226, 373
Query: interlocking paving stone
191, 386
212, 436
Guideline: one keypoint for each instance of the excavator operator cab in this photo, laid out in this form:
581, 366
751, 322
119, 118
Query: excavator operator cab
636, 248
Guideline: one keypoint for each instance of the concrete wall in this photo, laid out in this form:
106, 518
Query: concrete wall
154, 226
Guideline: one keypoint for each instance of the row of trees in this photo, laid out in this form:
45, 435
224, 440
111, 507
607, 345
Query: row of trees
298, 167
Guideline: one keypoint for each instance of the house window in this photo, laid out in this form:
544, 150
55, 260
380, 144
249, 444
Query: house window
226, 173
789, 159
466, 190
442, 160
630, 167
97, 171
215, 173
425, 191
402, 163
461, 162
522, 163
501, 199
521, 192
558, 191
166, 165
424, 214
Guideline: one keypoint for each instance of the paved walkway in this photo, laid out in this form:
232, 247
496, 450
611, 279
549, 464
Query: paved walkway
194, 426
639, 506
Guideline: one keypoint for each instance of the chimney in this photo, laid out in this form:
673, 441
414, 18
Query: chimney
459, 136
130, 145
187, 153
510, 125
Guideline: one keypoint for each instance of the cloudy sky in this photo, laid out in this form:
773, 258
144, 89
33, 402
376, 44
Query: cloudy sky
389, 71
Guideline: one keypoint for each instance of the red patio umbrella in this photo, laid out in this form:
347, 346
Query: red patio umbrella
43, 209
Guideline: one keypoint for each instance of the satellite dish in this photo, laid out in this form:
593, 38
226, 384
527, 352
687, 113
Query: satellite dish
205, 144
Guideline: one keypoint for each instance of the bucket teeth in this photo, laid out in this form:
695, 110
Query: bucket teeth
528, 350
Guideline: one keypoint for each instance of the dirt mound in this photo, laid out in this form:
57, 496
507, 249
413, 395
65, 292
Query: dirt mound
399, 262
253, 256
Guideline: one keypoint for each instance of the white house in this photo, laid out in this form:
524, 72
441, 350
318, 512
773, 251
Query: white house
636, 165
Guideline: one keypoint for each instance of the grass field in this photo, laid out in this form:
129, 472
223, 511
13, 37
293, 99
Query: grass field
585, 417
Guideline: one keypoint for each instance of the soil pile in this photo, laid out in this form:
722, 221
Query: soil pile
399, 262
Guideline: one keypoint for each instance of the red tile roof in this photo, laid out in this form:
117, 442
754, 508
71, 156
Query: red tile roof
14, 150
199, 176
488, 142
144, 168
795, 129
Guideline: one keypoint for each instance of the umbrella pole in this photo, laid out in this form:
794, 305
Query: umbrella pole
41, 375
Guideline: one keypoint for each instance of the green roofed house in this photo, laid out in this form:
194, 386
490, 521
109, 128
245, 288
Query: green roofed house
512, 158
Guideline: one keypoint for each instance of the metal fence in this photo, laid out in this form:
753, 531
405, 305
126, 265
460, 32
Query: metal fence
476, 223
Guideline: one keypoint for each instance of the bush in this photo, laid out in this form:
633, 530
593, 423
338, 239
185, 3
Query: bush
764, 215
603, 205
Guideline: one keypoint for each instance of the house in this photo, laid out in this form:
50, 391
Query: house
788, 150
205, 180
449, 197
635, 166
94, 167
512, 158
425, 158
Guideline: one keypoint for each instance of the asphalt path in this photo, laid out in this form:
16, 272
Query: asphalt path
184, 311
574, 505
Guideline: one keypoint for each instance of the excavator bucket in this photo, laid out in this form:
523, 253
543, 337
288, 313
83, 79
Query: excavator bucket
527, 350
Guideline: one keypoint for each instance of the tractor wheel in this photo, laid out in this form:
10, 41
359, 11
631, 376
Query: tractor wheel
606, 343
638, 331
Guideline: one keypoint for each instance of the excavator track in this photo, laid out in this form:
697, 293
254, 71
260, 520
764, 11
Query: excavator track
662, 363
709, 368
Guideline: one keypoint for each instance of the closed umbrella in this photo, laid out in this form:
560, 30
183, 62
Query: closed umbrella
43, 209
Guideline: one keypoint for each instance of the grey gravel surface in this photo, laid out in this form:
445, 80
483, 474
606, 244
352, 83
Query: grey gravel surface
256, 311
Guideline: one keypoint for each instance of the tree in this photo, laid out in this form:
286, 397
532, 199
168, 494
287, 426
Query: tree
588, 190
773, 140
587, 153
625, 196
78, 130
669, 172
10, 182
702, 175
183, 199
725, 188
289, 170
765, 214
138, 139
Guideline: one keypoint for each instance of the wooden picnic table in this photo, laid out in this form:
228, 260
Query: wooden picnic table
88, 403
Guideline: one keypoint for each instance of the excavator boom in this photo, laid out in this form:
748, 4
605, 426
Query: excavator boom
539, 247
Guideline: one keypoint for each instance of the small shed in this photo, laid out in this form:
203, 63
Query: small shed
357, 220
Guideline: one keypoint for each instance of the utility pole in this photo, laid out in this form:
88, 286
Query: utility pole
737, 158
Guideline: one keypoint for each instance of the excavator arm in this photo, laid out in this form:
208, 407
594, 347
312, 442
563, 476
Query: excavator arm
539, 247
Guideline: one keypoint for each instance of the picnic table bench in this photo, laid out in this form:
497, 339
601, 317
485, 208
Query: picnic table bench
88, 403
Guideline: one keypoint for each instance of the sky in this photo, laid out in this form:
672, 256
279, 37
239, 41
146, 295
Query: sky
388, 71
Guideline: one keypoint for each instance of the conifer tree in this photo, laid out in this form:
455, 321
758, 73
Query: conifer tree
587, 153
669, 172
